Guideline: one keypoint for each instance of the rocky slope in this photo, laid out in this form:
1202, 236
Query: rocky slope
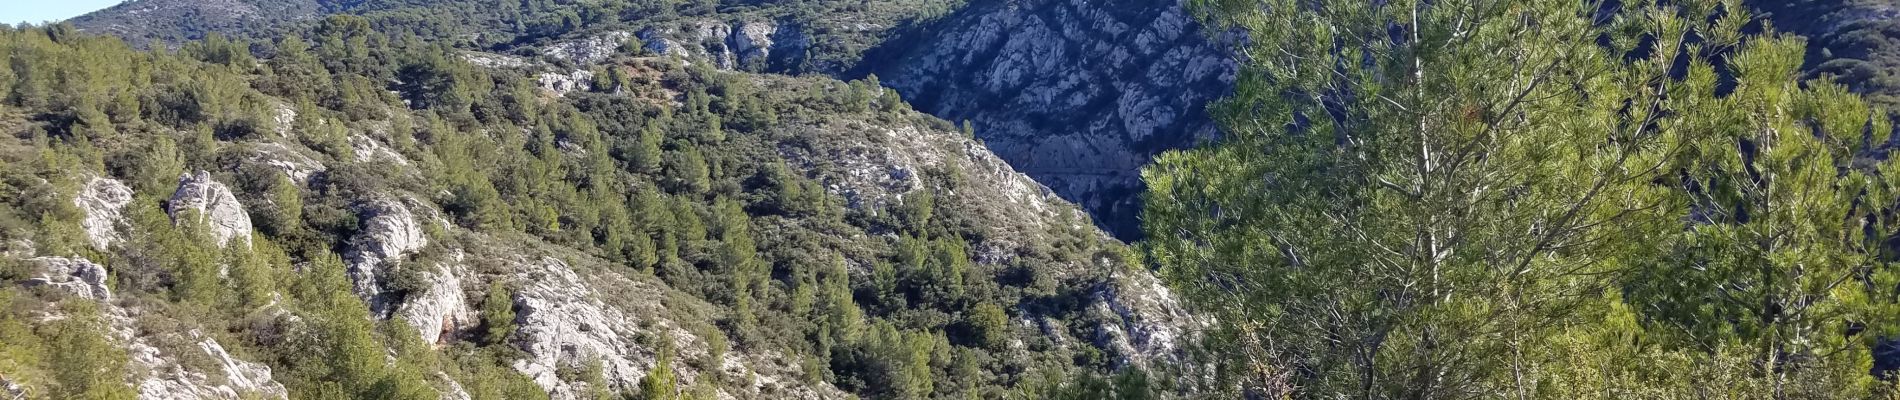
1073, 299
1079, 94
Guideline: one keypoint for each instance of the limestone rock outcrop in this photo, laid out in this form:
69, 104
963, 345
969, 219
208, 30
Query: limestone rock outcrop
749, 46
442, 309
295, 164
102, 200
163, 364
390, 231
588, 50
161, 373
568, 315
212, 203
1146, 322
77, 276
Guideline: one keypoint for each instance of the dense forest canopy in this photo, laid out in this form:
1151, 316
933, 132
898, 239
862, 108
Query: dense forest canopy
1534, 199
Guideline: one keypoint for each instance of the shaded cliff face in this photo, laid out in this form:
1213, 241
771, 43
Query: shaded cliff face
1078, 94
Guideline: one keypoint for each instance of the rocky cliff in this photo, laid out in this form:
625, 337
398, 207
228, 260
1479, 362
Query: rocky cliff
1076, 93
1079, 94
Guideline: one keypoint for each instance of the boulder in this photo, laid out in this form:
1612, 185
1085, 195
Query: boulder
587, 51
212, 203
442, 309
77, 276
389, 233
102, 200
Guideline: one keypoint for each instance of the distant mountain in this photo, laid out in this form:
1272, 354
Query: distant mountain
1855, 41
175, 21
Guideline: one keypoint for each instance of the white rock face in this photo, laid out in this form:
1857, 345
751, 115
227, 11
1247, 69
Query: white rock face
560, 84
1153, 326
157, 372
748, 46
102, 200
213, 204
565, 318
285, 118
77, 276
492, 60
587, 51
452, 390
369, 149
880, 172
1141, 321
443, 308
160, 377
753, 42
295, 165
390, 232
560, 324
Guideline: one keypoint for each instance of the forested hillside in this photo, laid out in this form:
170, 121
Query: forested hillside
359, 213
653, 199
1078, 95
829, 36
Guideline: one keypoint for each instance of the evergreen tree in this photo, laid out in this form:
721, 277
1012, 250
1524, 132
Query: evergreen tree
283, 215
646, 155
158, 167
84, 363
686, 170
338, 354
660, 382
498, 314
1439, 199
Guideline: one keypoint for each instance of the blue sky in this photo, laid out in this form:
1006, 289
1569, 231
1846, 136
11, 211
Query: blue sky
13, 11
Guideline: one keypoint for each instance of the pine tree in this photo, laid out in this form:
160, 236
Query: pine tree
254, 272
646, 155
686, 170
1433, 199
843, 319
158, 167
339, 355
283, 214
989, 323
1786, 259
660, 382
84, 364
498, 314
